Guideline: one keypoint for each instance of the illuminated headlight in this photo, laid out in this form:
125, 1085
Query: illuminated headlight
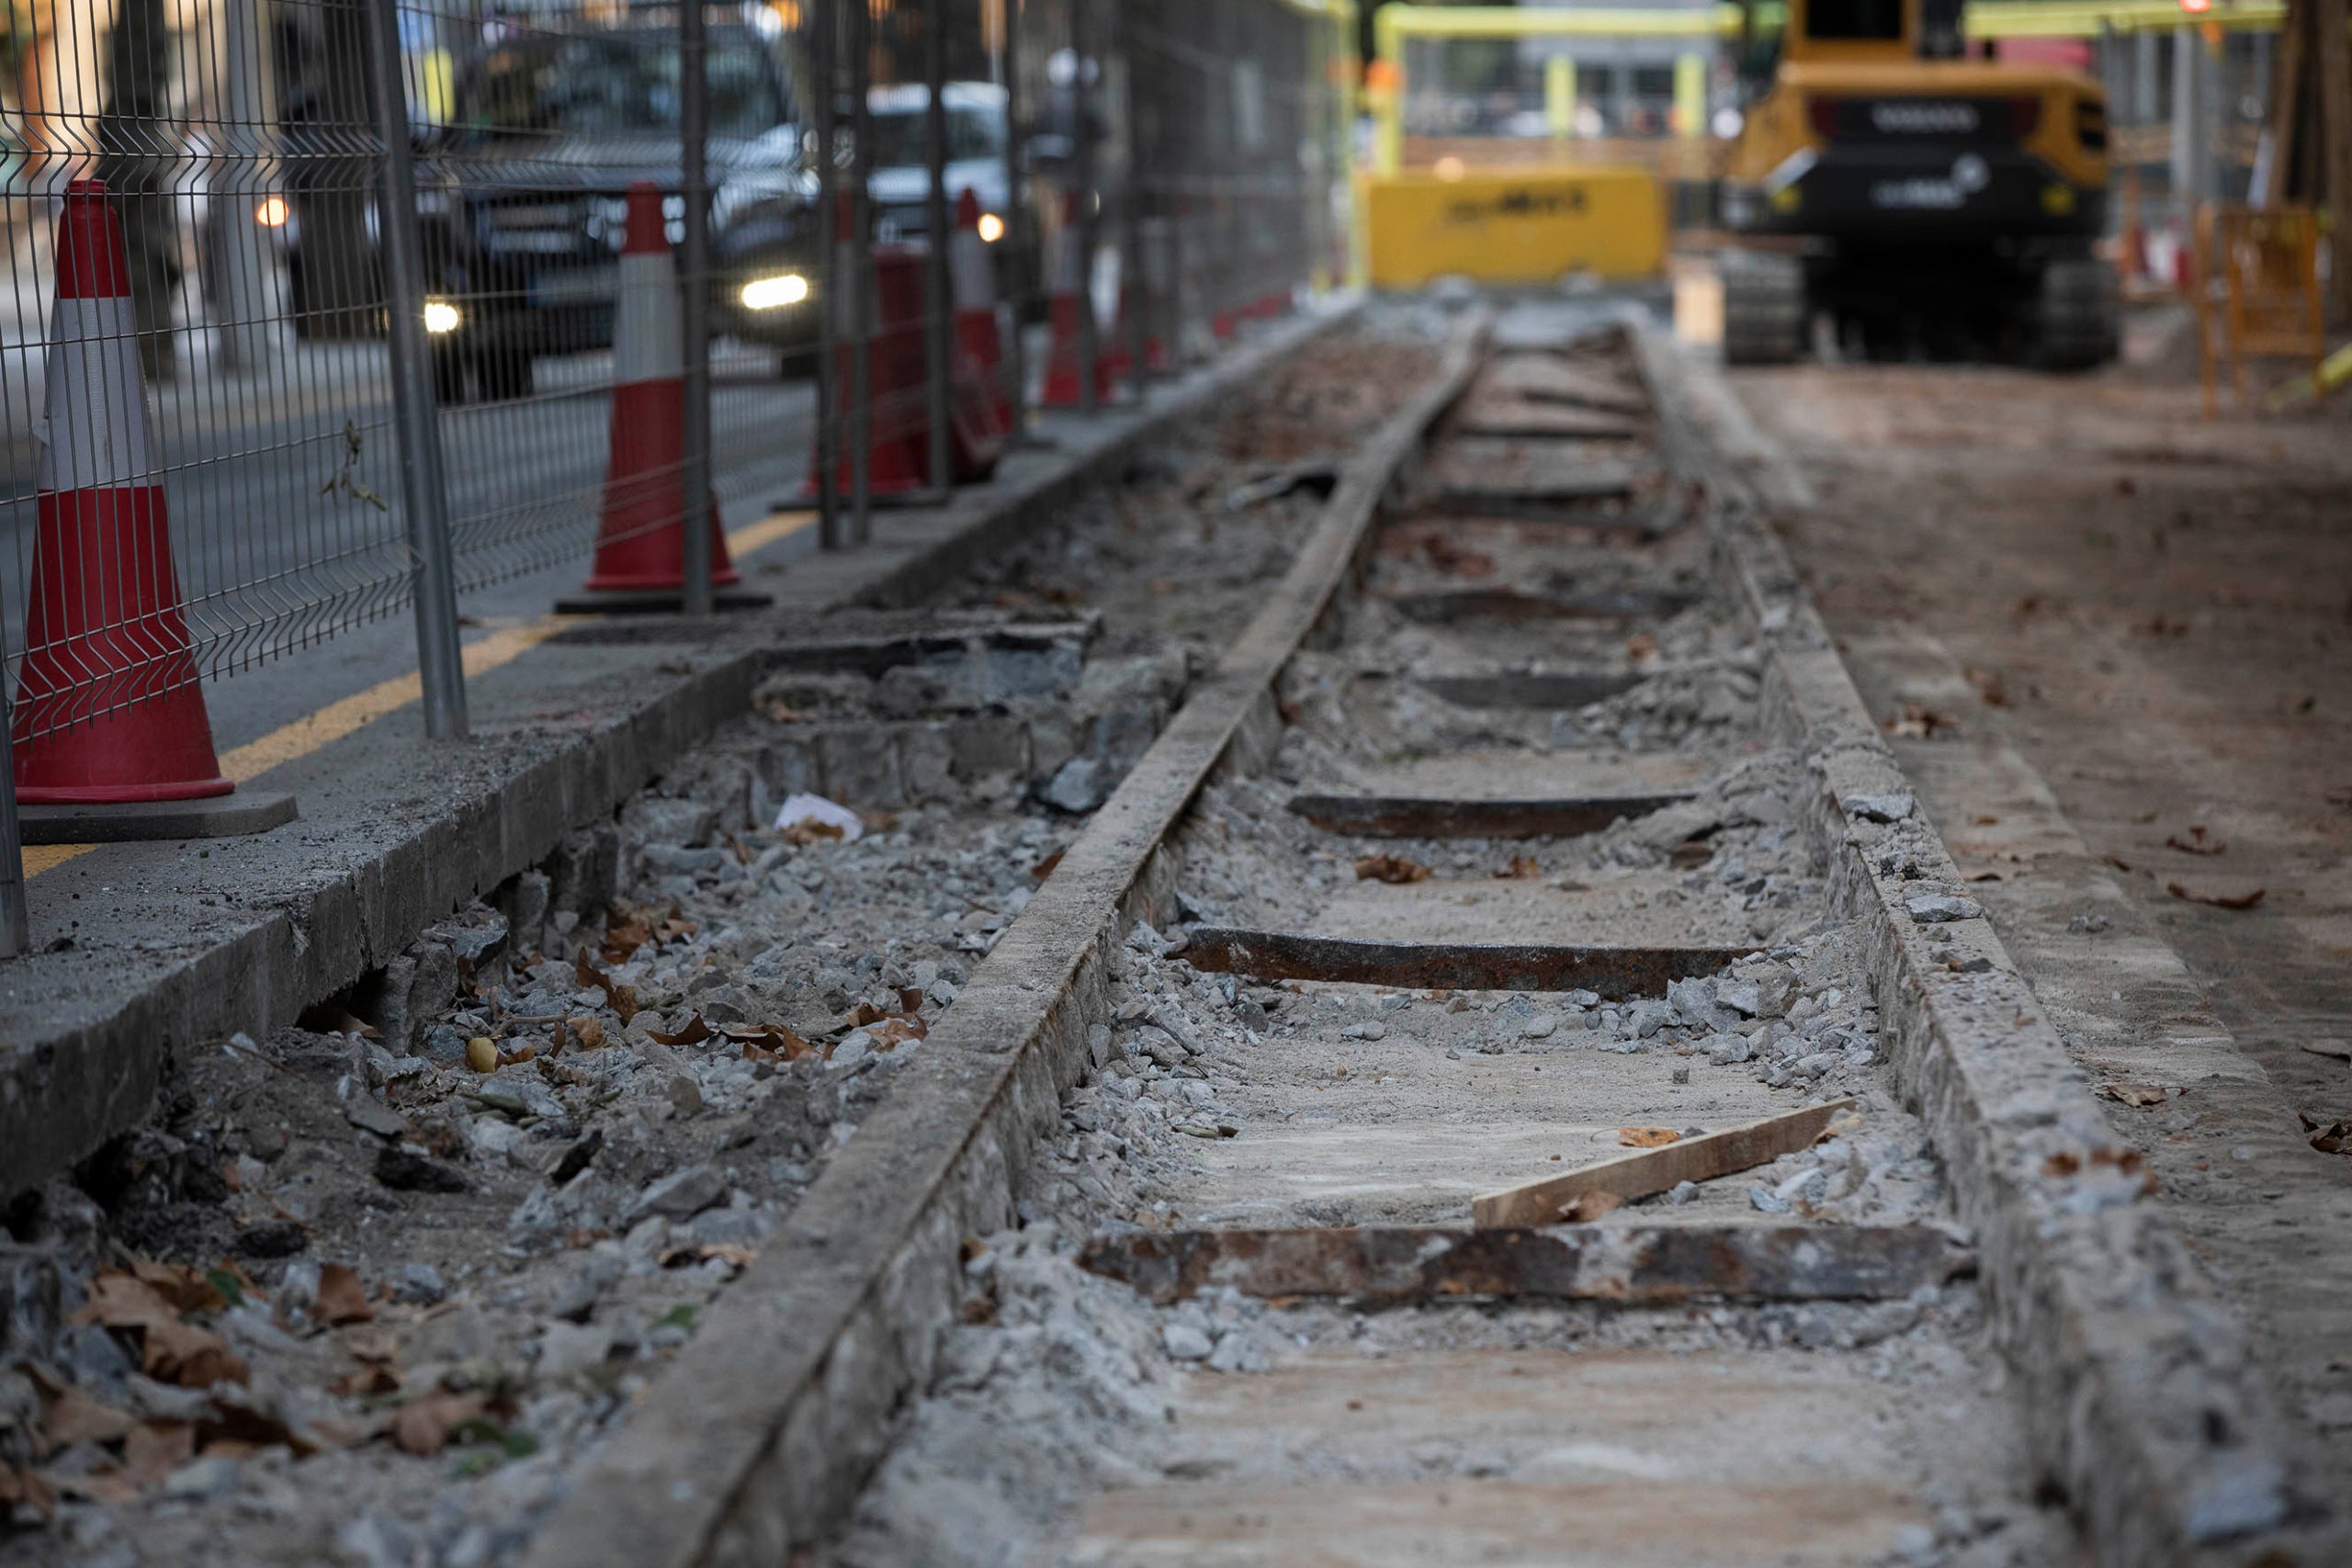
272, 212
440, 317
991, 227
775, 293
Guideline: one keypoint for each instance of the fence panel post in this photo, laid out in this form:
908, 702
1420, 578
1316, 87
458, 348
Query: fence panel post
824, 51
16, 926
937, 367
423, 491
1016, 241
1082, 107
859, 28
694, 315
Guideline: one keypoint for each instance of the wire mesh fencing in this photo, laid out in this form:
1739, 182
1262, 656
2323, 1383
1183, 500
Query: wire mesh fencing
317, 311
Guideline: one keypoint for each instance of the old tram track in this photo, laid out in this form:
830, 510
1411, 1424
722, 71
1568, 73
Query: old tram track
1508, 1076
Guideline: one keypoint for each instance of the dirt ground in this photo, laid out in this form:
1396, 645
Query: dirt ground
2155, 610
2166, 603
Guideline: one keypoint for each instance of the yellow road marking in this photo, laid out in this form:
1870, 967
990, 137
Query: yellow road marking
292, 741
48, 857
767, 531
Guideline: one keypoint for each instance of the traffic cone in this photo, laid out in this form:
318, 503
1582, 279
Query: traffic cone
108, 711
897, 427
641, 542
973, 278
1071, 274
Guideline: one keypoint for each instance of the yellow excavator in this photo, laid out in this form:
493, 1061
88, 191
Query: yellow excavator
1909, 200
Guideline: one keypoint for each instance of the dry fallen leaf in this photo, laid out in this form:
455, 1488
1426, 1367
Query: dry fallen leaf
770, 1042
1045, 868
1916, 721
622, 999
171, 1350
1587, 1207
587, 1033
896, 1030
2219, 900
1392, 869
70, 1414
342, 1298
725, 1252
153, 1449
1521, 867
422, 1426
1989, 687
693, 1032
2334, 1139
1648, 1137
2197, 843
25, 1489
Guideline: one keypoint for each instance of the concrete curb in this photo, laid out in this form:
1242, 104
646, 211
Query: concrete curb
759, 1436
2141, 1398
176, 951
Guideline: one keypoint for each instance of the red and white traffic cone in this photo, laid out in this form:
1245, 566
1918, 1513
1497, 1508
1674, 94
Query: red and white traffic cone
897, 426
108, 711
972, 277
641, 541
1072, 272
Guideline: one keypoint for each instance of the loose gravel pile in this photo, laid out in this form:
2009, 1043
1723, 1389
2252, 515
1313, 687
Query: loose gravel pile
367, 1291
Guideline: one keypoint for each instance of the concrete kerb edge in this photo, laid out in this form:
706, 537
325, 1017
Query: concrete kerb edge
2141, 1398
760, 1436
60, 1098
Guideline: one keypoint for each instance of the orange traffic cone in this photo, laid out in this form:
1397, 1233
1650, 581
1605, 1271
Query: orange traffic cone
1072, 272
641, 541
108, 707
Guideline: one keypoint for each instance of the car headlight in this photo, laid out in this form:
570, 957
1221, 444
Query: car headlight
991, 227
441, 317
775, 293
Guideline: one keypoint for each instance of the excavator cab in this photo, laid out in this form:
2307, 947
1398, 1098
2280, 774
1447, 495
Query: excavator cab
1909, 199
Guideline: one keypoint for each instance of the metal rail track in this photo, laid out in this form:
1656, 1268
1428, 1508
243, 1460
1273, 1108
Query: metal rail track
2133, 1400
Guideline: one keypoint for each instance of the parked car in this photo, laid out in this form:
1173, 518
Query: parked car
523, 201
898, 179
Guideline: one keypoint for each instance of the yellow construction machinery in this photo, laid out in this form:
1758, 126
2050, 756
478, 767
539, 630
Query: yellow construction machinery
1909, 199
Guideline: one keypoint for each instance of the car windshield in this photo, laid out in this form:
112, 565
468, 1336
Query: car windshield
971, 134
613, 84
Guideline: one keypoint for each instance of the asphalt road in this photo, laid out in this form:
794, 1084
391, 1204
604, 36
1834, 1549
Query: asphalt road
291, 541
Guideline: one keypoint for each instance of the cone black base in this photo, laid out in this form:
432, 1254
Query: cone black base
657, 602
220, 816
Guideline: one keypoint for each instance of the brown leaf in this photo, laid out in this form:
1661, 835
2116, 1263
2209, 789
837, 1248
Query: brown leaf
587, 1033
1391, 869
1521, 867
1916, 721
1641, 646
186, 1289
911, 999
371, 1380
342, 1298
2197, 843
24, 1488
865, 1013
1989, 686
694, 1032
1587, 1207
896, 1031
153, 1449
770, 1042
1045, 868
622, 999
1648, 1137
119, 1299
70, 1414
808, 830
191, 1357
422, 1426
2219, 900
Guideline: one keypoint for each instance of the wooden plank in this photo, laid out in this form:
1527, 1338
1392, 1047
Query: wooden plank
1639, 1175
1638, 1265
1428, 816
1615, 973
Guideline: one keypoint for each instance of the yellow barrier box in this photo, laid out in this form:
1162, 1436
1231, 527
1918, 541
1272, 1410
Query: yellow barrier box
1514, 225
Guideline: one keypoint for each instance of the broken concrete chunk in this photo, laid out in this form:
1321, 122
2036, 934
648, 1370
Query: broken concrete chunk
1185, 1343
1931, 909
680, 1195
654, 819
1078, 784
1879, 808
